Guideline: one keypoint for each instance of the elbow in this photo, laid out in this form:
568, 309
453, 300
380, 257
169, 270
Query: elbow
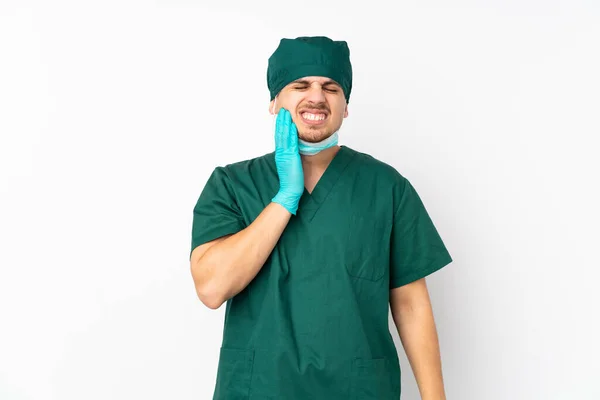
210, 288
209, 298
212, 302
204, 287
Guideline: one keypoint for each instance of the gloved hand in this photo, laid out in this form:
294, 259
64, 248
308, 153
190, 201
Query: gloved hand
288, 162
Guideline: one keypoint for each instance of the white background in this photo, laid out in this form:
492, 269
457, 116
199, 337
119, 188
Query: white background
114, 113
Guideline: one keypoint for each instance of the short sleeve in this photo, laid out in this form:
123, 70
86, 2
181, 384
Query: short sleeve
216, 212
416, 248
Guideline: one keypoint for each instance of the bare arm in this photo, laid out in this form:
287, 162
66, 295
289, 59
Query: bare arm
224, 267
413, 316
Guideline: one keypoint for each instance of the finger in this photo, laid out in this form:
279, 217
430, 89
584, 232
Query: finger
286, 120
279, 137
293, 137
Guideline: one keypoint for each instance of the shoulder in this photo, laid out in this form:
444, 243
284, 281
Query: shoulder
240, 170
379, 177
384, 173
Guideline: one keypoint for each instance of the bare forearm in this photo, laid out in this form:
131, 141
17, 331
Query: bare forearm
229, 266
417, 331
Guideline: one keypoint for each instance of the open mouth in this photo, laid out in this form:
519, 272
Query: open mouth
313, 117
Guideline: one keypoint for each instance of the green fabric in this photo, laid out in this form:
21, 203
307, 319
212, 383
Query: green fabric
313, 323
309, 56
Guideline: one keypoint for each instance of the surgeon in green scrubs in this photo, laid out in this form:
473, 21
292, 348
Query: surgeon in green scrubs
309, 245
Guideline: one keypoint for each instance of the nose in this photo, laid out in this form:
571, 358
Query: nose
315, 94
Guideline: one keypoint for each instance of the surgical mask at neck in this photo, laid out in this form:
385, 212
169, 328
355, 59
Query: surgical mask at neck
308, 148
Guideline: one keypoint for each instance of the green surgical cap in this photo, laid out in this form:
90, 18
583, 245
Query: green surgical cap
309, 56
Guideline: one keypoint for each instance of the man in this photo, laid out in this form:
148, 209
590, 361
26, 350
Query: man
308, 246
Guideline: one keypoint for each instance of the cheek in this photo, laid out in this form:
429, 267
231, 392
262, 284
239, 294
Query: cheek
337, 104
340, 113
289, 102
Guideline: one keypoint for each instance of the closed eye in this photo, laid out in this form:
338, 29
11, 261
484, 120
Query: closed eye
327, 87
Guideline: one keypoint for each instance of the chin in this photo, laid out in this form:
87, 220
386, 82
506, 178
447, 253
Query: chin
314, 136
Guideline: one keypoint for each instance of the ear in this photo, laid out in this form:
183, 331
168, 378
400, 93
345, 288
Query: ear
346, 111
271, 105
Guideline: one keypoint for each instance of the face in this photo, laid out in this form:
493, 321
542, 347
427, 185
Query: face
317, 105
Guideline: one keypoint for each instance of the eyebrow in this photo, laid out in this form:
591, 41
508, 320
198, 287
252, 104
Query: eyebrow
305, 82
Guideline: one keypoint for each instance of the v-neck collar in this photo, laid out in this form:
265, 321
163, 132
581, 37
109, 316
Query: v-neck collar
310, 202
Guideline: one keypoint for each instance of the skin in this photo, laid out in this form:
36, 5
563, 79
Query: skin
413, 316
314, 92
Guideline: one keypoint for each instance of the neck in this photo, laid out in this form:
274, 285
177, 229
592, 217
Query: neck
320, 160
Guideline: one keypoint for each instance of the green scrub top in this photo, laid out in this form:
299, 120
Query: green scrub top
313, 323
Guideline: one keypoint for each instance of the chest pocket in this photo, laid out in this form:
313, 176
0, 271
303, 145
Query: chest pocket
367, 247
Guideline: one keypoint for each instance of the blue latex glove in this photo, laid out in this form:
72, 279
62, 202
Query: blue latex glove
288, 162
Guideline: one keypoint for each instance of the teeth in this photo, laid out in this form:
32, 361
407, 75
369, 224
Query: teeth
314, 117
